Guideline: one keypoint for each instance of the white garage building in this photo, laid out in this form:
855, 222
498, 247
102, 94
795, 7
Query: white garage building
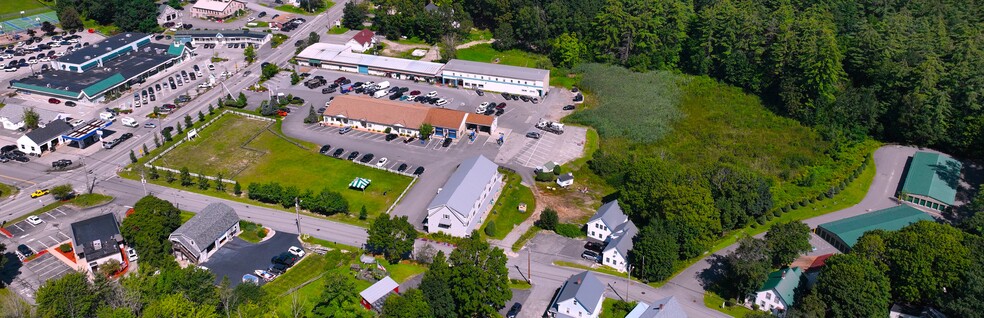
496, 77
462, 204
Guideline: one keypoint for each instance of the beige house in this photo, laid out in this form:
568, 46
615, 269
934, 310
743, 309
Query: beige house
216, 9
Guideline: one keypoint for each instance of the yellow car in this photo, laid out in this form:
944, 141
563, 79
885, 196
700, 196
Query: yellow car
39, 193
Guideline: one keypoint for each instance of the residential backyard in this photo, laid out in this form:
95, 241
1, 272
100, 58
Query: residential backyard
247, 151
506, 214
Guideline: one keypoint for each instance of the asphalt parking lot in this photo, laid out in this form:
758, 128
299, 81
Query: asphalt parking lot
561, 247
47, 234
532, 153
47, 267
239, 257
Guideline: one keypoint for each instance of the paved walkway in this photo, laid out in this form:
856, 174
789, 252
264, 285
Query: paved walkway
473, 43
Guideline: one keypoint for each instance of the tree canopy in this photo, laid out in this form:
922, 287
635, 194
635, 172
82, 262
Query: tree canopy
147, 229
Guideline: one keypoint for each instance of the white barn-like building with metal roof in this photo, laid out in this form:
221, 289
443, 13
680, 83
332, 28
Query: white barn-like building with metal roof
497, 77
461, 205
205, 233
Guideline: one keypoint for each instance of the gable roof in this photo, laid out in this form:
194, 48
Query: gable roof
445, 118
933, 175
213, 5
15, 113
102, 229
585, 288
501, 70
622, 238
465, 186
849, 230
565, 177
379, 290
610, 214
205, 227
784, 283
430, 7
378, 111
49, 132
364, 37
667, 307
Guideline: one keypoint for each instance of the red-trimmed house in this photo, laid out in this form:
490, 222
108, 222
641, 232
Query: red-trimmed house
362, 41
374, 296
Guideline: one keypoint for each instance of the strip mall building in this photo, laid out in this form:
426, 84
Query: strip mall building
403, 118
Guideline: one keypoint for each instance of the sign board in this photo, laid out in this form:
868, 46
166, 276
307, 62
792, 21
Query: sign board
192, 133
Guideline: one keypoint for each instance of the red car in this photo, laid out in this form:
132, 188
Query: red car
414, 93
54, 101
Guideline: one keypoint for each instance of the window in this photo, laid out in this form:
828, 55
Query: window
768, 295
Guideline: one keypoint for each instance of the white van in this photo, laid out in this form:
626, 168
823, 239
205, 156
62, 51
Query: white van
380, 93
383, 85
129, 122
106, 116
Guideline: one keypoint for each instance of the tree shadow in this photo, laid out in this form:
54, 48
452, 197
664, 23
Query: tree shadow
10, 269
949, 172
714, 278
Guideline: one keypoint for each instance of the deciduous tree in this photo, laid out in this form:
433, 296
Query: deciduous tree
852, 286
787, 241
747, 267
654, 251
411, 304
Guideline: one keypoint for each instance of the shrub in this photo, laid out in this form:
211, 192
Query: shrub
556, 170
63, 192
548, 219
569, 230
544, 176
65, 248
490, 228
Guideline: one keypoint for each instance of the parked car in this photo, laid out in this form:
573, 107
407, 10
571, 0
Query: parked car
344, 130
61, 163
390, 137
446, 142
35, 220
324, 149
409, 139
515, 309
533, 134
381, 162
479, 92
594, 246
131, 254
70, 104
590, 255
418, 171
297, 251
277, 269
569, 107
54, 101
24, 250
432, 94
285, 258
353, 155
338, 152
402, 167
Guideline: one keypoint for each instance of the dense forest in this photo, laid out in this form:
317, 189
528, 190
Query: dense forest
900, 71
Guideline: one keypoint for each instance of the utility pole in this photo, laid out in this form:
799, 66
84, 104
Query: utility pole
297, 214
529, 265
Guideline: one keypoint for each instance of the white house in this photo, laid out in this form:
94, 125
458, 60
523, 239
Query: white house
608, 217
97, 240
223, 37
362, 41
165, 14
777, 294
496, 77
205, 233
616, 252
667, 307
565, 180
468, 195
12, 116
580, 297
43, 139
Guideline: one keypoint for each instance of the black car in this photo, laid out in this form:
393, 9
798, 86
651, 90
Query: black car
408, 140
593, 246
61, 163
396, 96
23, 249
285, 258
328, 90
524, 98
262, 14
569, 107
418, 171
321, 110
324, 149
402, 168
533, 134
353, 155
505, 95
21, 158
367, 158
126, 136
514, 311
277, 269
447, 142
357, 84
479, 92
338, 152
389, 137
499, 111
7, 148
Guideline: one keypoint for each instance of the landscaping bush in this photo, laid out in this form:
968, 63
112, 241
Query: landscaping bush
548, 219
569, 230
544, 176
556, 170
65, 248
490, 228
63, 192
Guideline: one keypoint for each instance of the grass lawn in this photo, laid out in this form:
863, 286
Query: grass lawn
526, 237
412, 41
614, 308
600, 269
185, 216
314, 240
505, 213
293, 9
478, 35
485, 53
261, 24
404, 270
337, 30
222, 147
252, 232
713, 301
16, 6
90, 199
309, 267
6, 191
278, 39
519, 284
104, 29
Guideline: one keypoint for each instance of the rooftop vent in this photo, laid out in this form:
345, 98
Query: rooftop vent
128, 35
96, 245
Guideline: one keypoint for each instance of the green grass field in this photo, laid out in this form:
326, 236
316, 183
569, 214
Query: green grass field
613, 308
16, 6
186, 215
485, 53
221, 147
7, 191
713, 301
293, 9
478, 35
251, 232
505, 213
337, 30
404, 270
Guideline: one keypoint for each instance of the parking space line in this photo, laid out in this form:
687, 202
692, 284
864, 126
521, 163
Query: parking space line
18, 227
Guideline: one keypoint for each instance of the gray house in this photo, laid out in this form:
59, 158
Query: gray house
581, 296
205, 233
461, 205
667, 307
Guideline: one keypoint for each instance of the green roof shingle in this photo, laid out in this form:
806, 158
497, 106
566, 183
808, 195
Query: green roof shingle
103, 85
850, 229
53, 91
784, 282
933, 175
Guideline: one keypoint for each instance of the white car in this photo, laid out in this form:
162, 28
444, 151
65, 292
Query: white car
265, 275
432, 94
296, 251
78, 122
131, 254
382, 161
34, 219
441, 102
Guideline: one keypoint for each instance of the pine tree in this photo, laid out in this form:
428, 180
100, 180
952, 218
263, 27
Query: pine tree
133, 157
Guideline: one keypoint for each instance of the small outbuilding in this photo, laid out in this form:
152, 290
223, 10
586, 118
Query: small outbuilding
374, 296
565, 180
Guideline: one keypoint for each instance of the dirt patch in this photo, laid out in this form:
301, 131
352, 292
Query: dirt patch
572, 206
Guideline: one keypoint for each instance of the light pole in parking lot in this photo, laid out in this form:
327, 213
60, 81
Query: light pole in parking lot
297, 214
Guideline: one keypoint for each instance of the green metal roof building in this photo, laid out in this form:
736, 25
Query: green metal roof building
931, 181
779, 291
844, 233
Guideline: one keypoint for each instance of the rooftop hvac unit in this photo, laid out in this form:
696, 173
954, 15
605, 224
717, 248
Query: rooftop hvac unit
96, 244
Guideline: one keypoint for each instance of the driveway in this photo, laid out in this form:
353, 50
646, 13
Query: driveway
239, 257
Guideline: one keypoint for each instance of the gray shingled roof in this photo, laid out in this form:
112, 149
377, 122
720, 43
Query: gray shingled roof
233, 33
667, 307
206, 226
623, 238
585, 288
50, 131
466, 185
507, 71
102, 228
611, 214
15, 113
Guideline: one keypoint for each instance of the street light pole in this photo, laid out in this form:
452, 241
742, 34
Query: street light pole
297, 214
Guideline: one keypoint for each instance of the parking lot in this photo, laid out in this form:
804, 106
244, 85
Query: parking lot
531, 153
47, 234
239, 257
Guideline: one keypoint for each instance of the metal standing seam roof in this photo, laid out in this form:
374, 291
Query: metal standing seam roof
112, 43
784, 282
667, 307
102, 228
233, 33
610, 214
585, 288
379, 289
341, 54
103, 85
933, 175
205, 227
465, 186
500, 70
49, 132
623, 238
851, 229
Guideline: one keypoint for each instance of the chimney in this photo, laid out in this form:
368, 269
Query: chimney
661, 306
